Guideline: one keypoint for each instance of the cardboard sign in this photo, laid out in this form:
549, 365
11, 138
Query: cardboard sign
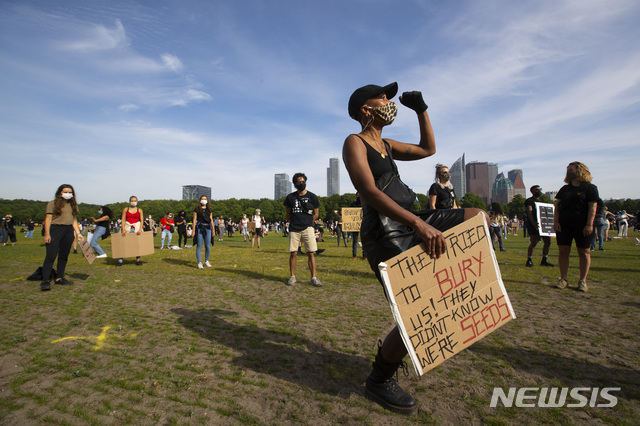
351, 219
545, 219
442, 306
131, 245
87, 251
251, 227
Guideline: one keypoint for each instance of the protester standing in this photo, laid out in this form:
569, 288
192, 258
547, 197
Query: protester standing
59, 226
30, 227
181, 227
441, 194
573, 220
102, 229
131, 222
257, 222
167, 224
203, 232
10, 230
532, 228
302, 210
369, 159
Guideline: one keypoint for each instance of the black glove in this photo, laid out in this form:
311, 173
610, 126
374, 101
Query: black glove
414, 101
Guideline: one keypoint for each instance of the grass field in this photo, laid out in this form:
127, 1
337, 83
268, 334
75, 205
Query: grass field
166, 343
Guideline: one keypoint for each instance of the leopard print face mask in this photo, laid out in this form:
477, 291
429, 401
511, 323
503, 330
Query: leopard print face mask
386, 113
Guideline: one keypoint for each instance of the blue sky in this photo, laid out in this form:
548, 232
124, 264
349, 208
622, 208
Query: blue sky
142, 97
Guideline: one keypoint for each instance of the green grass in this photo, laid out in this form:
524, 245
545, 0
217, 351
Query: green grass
234, 344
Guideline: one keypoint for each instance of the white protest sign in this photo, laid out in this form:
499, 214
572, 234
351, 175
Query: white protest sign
545, 219
442, 306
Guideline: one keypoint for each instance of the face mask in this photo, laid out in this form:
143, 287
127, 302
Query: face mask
300, 186
445, 176
537, 193
67, 195
170, 216
386, 113
203, 202
134, 203
99, 211
571, 175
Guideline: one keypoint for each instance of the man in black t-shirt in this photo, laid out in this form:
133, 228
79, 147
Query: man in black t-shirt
302, 210
532, 228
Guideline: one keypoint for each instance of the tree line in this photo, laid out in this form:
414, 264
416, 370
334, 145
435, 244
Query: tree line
272, 210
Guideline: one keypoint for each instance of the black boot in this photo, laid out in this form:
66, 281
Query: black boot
383, 389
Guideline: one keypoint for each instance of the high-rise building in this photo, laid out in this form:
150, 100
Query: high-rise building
480, 178
458, 177
517, 179
333, 177
502, 190
282, 186
194, 192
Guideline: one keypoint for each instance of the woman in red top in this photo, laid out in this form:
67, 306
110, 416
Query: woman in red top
167, 224
131, 222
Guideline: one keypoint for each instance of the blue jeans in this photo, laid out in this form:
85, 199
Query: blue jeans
165, 232
29, 234
204, 238
97, 234
354, 244
495, 230
599, 225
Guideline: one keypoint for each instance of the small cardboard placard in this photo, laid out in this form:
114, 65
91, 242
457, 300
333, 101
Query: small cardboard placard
351, 219
442, 306
87, 251
251, 227
545, 219
131, 245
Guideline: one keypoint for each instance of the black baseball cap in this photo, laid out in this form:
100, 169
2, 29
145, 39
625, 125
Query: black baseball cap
363, 94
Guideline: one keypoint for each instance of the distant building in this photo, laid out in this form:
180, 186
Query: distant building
502, 190
458, 177
194, 192
517, 179
333, 177
480, 177
282, 186
551, 194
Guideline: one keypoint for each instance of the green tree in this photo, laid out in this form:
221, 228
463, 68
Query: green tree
471, 200
516, 207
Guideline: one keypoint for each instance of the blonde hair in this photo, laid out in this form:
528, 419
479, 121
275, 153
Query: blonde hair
582, 171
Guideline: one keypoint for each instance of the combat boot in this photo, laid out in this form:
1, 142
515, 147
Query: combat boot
382, 388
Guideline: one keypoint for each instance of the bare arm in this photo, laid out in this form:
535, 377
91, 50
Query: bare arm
591, 215
124, 221
425, 148
47, 228
432, 201
354, 156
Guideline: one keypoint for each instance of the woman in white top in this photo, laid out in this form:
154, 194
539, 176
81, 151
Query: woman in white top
257, 221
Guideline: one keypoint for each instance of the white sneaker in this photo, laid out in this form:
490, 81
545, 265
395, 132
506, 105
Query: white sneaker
200, 265
292, 281
102, 256
316, 282
207, 264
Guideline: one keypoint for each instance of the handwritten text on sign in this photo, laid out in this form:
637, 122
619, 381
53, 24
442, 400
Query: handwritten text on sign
351, 219
444, 305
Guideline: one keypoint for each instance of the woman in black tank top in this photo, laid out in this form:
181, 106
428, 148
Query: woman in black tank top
367, 156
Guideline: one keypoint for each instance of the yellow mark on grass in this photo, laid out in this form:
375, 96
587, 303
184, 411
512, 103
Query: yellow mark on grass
99, 340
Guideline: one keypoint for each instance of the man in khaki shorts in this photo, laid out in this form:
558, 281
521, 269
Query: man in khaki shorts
302, 210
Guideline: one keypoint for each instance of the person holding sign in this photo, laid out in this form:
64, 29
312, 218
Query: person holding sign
102, 230
441, 194
389, 226
131, 222
532, 228
302, 209
573, 220
60, 223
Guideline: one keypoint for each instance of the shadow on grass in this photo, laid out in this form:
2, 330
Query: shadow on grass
568, 370
181, 262
79, 276
253, 274
279, 354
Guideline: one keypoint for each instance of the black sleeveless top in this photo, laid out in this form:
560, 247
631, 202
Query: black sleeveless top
377, 164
